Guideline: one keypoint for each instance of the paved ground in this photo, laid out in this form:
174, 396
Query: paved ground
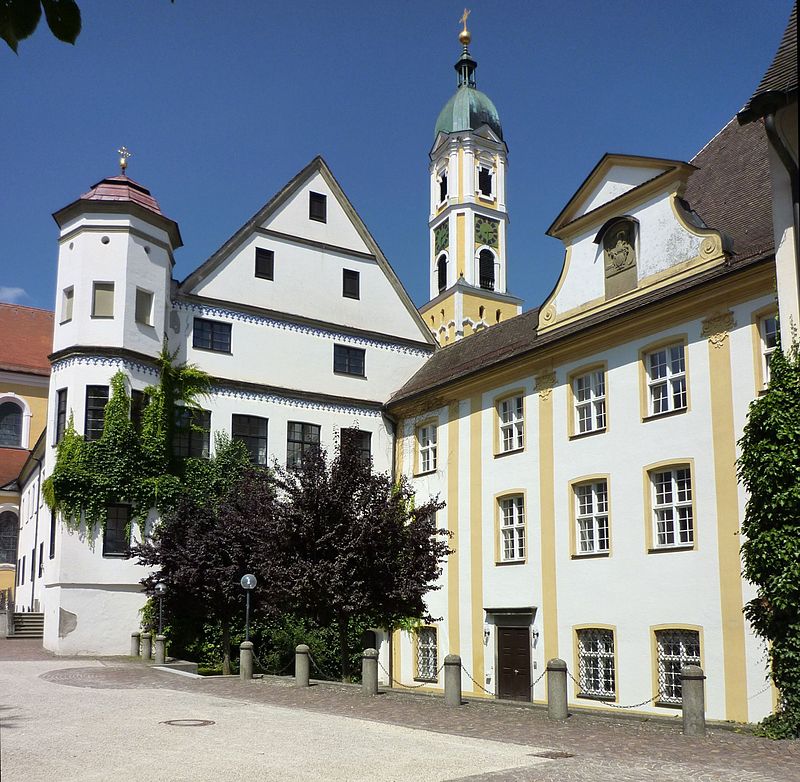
76, 720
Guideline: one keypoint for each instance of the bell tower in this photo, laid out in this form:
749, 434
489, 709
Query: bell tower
468, 216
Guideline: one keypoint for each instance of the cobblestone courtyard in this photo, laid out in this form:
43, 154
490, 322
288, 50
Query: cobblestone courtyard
82, 719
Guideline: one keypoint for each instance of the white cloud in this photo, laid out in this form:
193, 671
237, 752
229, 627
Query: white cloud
12, 295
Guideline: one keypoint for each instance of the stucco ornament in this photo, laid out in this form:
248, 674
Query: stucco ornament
545, 384
716, 328
618, 245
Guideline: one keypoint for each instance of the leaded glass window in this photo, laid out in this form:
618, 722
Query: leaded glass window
8, 536
666, 379
116, 533
252, 431
10, 425
192, 436
96, 401
676, 649
596, 663
301, 440
427, 654
512, 426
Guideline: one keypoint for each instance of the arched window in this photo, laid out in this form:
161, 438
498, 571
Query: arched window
443, 187
8, 537
486, 269
10, 425
441, 272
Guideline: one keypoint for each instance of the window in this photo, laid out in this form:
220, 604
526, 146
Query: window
348, 361
768, 327
589, 393
252, 431
265, 264
22, 572
33, 564
443, 186
116, 534
512, 426
96, 401
486, 269
52, 534
192, 433
427, 654
8, 536
666, 379
10, 425
359, 440
512, 529
426, 439
144, 307
103, 300
596, 663
676, 649
441, 273
672, 507
212, 335
139, 400
301, 439
350, 284
67, 300
317, 207
41, 559
485, 181
591, 517
61, 413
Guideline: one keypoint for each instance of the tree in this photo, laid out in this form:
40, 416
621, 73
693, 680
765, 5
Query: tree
769, 468
351, 544
19, 18
204, 545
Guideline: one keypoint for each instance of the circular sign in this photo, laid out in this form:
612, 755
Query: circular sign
248, 581
161, 588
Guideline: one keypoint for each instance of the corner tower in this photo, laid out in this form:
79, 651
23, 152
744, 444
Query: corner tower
468, 215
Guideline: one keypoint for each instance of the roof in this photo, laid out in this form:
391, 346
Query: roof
121, 188
730, 191
779, 84
31, 341
11, 461
468, 109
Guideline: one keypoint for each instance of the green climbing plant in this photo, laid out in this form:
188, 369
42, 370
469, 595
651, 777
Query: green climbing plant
769, 468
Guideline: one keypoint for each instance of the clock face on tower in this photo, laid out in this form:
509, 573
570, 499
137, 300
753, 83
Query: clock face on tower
486, 231
441, 237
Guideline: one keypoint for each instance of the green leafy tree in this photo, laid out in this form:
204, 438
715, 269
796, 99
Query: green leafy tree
352, 545
19, 19
769, 468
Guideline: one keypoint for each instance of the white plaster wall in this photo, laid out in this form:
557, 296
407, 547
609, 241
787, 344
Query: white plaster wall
619, 180
285, 355
662, 243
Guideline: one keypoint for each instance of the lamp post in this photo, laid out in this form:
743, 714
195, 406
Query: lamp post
161, 590
248, 583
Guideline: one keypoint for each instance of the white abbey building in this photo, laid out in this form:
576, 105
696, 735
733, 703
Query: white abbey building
585, 449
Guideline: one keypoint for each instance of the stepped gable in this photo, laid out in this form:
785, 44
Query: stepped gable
730, 192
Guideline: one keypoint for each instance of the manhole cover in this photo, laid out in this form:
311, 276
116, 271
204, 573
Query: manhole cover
189, 723
552, 755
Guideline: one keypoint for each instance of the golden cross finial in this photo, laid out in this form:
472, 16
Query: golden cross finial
464, 35
123, 159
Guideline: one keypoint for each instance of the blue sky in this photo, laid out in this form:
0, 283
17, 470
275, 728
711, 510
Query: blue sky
223, 102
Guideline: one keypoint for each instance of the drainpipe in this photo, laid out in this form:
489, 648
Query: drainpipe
36, 529
791, 169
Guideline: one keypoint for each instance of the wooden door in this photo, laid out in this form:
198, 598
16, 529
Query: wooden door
514, 663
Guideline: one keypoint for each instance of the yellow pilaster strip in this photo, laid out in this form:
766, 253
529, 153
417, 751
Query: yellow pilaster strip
476, 537
716, 329
453, 619
461, 238
544, 387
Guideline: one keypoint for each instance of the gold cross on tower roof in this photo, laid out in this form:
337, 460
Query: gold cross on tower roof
464, 35
123, 159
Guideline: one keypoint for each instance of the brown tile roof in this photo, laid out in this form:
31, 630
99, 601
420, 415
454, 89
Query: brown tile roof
121, 188
730, 191
26, 339
779, 84
11, 461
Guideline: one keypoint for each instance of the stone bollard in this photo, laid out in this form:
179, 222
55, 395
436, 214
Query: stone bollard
161, 649
147, 646
694, 702
452, 680
556, 689
369, 672
246, 660
301, 665
135, 641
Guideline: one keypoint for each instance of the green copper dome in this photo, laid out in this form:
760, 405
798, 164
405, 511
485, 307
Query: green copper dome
469, 108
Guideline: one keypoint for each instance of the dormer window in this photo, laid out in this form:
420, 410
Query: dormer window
443, 186
485, 176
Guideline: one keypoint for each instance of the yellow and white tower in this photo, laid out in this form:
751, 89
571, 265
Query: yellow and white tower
468, 215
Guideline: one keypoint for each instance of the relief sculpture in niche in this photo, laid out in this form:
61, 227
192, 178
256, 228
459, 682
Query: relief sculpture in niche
619, 257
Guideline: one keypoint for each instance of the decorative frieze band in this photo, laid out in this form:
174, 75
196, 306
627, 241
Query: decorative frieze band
210, 311
279, 399
113, 362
